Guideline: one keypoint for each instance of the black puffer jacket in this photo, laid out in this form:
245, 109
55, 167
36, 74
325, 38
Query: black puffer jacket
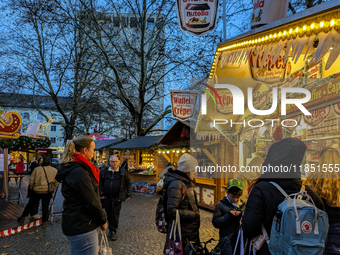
224, 220
188, 208
265, 198
333, 243
82, 209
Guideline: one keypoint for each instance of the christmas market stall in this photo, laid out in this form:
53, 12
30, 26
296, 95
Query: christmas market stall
142, 162
300, 51
102, 152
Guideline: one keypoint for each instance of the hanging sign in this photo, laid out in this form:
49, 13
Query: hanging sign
183, 103
267, 11
317, 116
270, 72
227, 102
197, 17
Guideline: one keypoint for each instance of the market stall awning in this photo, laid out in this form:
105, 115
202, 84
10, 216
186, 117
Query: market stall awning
103, 144
140, 142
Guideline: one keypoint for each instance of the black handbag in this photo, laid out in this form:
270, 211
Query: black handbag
226, 245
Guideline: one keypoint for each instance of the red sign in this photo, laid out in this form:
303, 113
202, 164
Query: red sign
183, 103
317, 116
10, 123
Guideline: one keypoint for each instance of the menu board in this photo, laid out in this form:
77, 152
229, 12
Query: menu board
2, 166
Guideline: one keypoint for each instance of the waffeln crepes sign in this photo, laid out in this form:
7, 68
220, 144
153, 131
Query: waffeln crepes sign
197, 17
183, 103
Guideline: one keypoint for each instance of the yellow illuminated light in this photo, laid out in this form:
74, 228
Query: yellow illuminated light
252, 41
304, 28
284, 32
266, 38
327, 24
322, 23
275, 35
290, 31
280, 34
297, 30
332, 22
312, 26
270, 36
255, 40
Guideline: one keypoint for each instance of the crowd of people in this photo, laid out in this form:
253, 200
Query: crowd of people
251, 201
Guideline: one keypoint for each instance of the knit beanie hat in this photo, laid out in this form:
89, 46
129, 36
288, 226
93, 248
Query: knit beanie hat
187, 163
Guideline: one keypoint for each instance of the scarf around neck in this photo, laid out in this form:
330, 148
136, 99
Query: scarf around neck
84, 162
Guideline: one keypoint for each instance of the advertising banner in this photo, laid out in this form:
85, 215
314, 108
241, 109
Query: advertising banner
183, 103
198, 17
317, 116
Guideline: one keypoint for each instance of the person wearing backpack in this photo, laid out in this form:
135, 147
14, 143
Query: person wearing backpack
181, 196
326, 184
265, 198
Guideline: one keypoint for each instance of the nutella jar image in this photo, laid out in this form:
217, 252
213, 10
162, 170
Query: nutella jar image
197, 15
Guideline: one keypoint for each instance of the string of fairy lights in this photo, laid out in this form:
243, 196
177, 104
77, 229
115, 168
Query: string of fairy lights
307, 28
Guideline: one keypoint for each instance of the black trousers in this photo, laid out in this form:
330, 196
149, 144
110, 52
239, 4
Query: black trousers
34, 202
112, 208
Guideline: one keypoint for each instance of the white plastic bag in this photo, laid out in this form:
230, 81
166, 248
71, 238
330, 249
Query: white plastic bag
160, 183
104, 248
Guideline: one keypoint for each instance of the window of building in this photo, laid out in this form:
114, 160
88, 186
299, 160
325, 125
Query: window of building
116, 21
122, 132
133, 22
26, 115
95, 118
151, 23
53, 139
53, 128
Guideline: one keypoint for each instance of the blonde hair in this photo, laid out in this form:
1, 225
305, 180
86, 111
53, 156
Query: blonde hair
327, 187
74, 146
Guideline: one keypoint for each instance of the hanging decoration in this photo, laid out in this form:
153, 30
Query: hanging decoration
10, 123
278, 133
24, 143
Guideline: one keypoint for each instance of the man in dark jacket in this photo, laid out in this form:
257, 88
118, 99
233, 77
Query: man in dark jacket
181, 196
115, 186
264, 198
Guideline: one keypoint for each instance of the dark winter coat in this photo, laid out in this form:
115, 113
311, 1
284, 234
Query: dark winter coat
188, 208
265, 198
224, 220
333, 243
82, 209
125, 190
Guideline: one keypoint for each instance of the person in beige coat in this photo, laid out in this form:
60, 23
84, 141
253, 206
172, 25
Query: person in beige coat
39, 183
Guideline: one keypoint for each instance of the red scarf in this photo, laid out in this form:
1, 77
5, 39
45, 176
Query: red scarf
82, 160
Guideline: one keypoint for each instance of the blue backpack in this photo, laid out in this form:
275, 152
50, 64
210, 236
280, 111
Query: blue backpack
298, 227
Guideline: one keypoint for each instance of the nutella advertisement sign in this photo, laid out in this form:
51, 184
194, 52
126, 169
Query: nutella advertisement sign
271, 72
267, 11
183, 103
197, 17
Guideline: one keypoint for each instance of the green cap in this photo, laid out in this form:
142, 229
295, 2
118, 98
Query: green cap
235, 183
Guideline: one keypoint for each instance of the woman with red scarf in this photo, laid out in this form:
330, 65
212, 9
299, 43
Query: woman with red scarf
82, 213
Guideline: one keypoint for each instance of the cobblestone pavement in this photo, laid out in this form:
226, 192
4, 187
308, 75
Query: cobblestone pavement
137, 233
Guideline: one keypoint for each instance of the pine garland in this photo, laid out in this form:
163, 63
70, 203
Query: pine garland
24, 143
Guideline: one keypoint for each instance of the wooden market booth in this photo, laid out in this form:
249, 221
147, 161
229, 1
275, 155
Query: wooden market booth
142, 162
297, 51
181, 139
102, 151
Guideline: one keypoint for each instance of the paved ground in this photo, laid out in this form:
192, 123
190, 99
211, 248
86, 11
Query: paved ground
137, 233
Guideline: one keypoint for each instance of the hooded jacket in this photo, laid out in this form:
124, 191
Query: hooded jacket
224, 220
264, 198
82, 209
188, 208
333, 245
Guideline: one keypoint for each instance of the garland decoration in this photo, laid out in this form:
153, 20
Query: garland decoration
25, 143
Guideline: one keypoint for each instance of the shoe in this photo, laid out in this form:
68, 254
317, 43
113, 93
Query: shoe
21, 219
36, 217
114, 236
109, 234
44, 224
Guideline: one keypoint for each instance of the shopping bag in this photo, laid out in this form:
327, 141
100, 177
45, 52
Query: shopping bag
226, 245
104, 248
173, 246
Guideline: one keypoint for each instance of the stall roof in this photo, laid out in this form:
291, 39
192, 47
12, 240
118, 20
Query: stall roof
103, 144
140, 142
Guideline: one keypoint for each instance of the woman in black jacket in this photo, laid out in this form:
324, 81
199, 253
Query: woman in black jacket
82, 212
326, 184
181, 196
264, 198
